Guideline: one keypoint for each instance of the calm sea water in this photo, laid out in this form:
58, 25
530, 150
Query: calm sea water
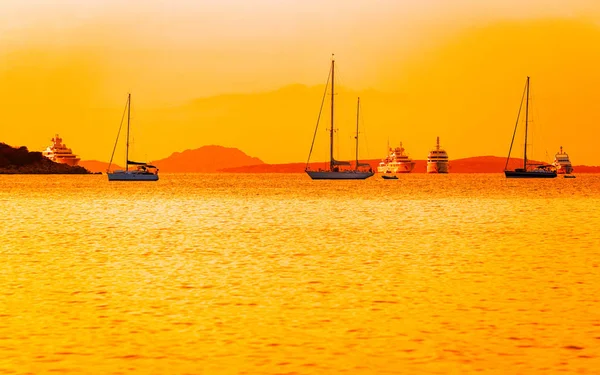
278, 274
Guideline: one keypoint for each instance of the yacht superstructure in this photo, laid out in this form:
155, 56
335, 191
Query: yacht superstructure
59, 153
397, 161
562, 162
437, 160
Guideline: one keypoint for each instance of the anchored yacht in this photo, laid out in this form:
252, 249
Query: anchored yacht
437, 160
397, 161
562, 162
59, 153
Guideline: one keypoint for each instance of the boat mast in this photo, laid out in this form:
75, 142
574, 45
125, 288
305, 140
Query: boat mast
357, 117
331, 162
526, 121
318, 120
512, 142
128, 122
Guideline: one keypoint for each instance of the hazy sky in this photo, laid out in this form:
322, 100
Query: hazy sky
66, 66
199, 48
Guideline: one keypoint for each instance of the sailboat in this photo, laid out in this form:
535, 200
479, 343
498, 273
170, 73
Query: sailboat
335, 172
528, 170
143, 171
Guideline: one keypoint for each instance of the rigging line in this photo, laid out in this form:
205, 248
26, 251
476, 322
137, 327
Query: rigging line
337, 145
515, 131
538, 137
120, 126
362, 121
339, 77
318, 119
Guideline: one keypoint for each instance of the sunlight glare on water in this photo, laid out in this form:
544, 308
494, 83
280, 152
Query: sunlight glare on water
275, 273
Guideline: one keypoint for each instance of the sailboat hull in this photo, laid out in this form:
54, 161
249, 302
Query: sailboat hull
529, 174
329, 175
124, 176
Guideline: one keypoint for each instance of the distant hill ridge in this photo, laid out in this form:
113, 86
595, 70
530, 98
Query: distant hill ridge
477, 164
213, 158
206, 159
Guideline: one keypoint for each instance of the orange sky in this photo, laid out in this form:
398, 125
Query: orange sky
219, 72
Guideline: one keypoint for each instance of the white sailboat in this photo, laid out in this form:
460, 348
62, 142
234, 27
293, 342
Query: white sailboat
335, 172
142, 171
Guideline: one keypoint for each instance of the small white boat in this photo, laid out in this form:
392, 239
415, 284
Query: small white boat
142, 171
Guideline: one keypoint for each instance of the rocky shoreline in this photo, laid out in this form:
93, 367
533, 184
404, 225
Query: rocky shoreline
22, 161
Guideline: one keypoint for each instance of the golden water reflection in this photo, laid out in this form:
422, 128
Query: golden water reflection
267, 274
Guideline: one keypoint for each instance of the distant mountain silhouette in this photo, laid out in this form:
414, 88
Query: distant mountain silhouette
21, 161
478, 164
208, 159
586, 169
98, 166
205, 159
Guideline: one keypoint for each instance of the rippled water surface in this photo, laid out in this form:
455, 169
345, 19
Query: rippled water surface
278, 274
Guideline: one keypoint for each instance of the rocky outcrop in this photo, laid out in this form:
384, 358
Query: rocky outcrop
22, 161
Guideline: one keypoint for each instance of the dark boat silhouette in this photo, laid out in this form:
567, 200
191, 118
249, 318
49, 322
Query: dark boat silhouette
528, 170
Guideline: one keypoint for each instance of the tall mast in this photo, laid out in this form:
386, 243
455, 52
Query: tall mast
357, 117
128, 122
331, 163
526, 121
